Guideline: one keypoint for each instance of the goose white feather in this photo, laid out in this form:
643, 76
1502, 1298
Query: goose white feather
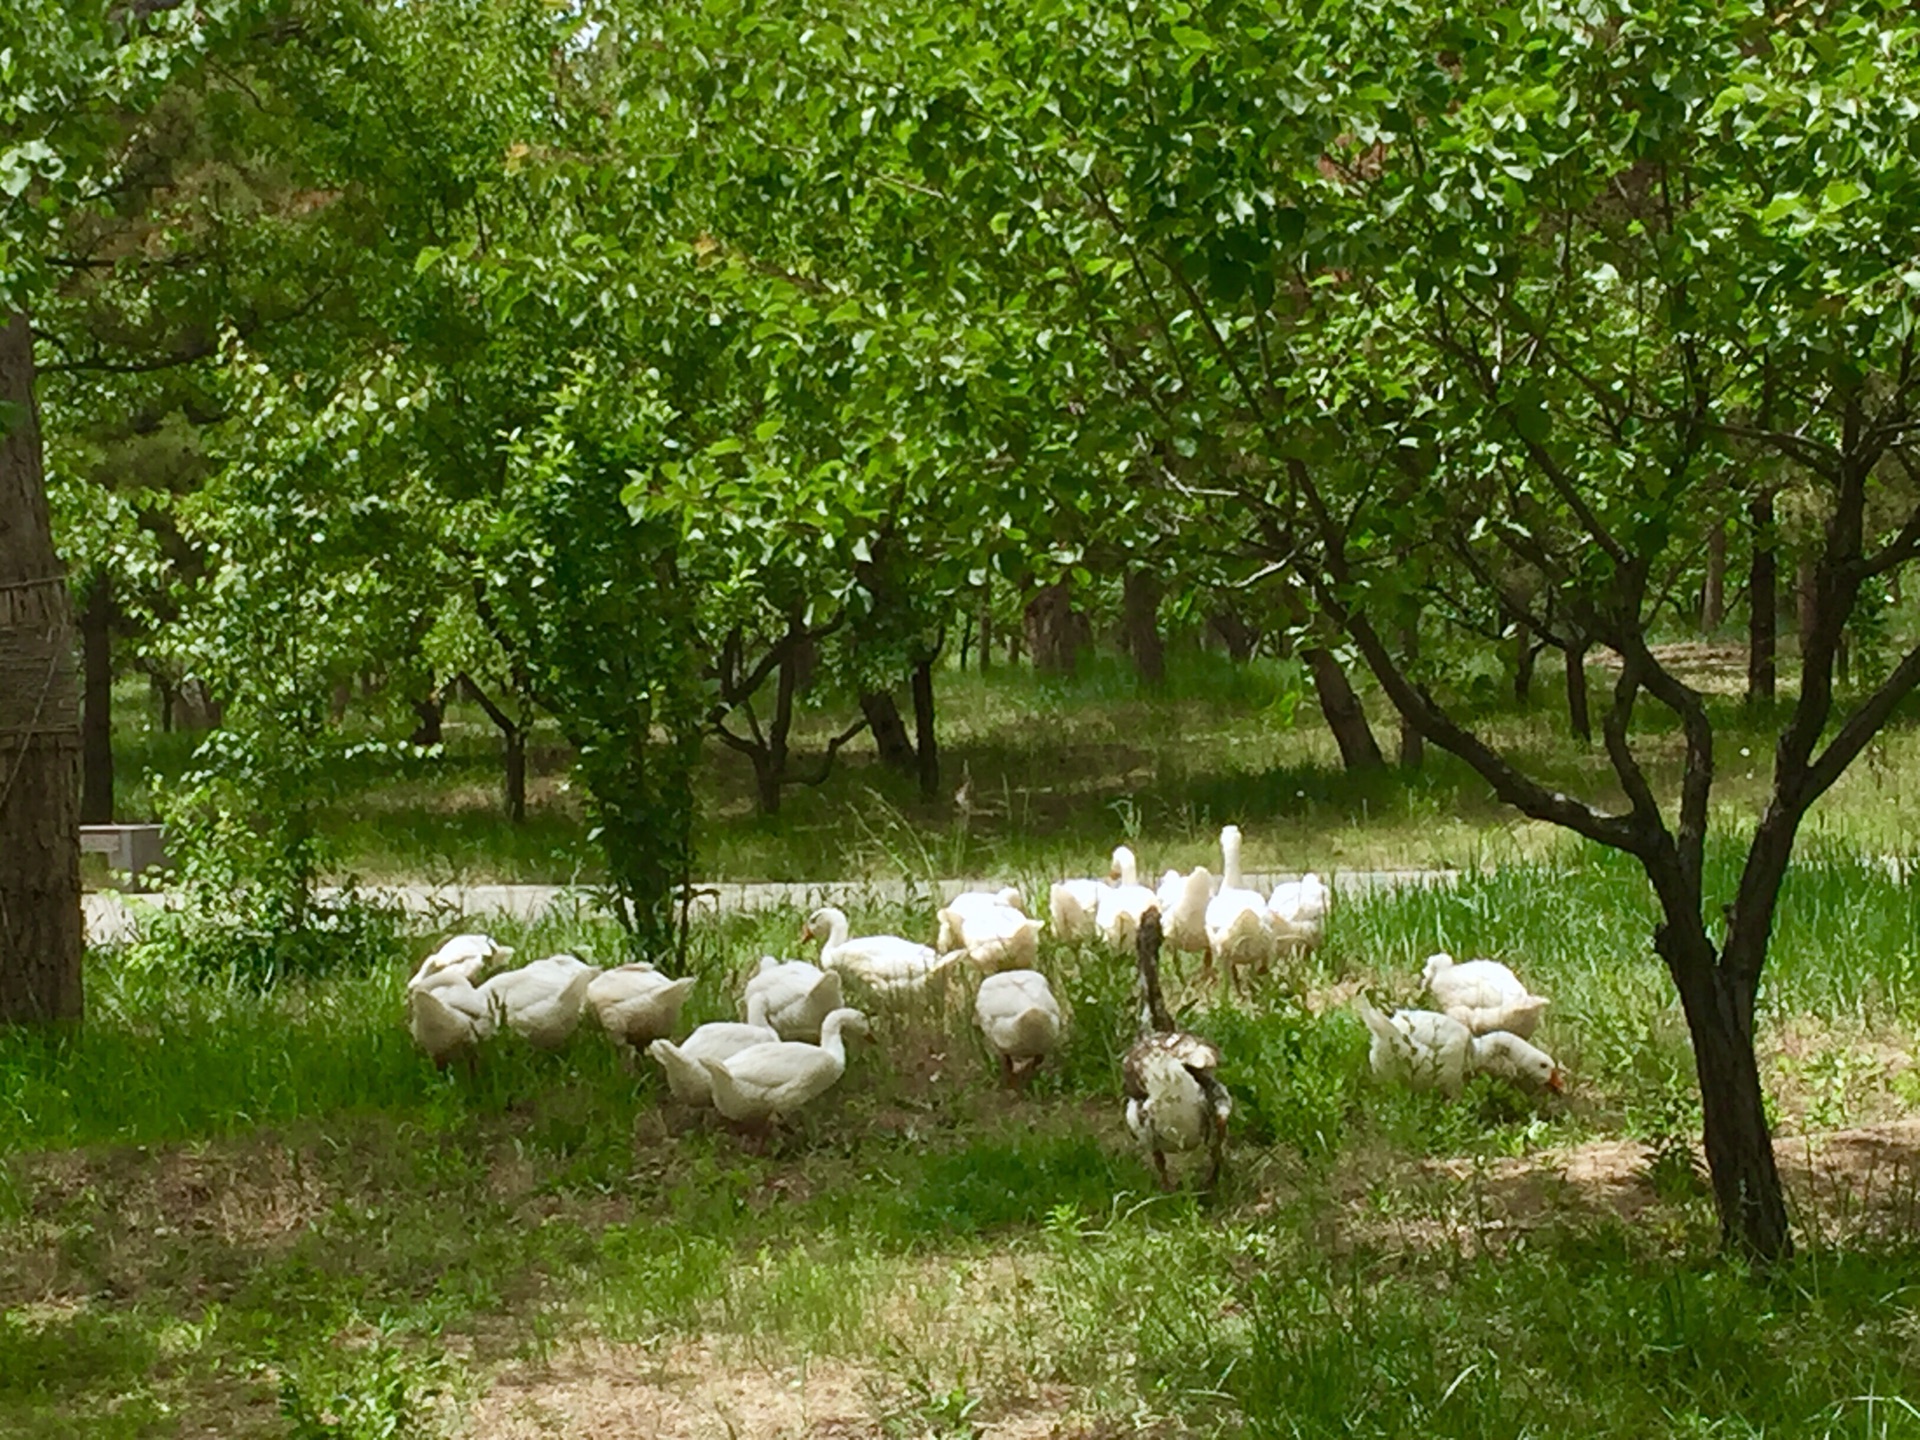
541, 1002
1017, 1012
1483, 995
1122, 901
1237, 926
1298, 912
636, 1003
684, 1063
797, 996
890, 965
996, 934
761, 1083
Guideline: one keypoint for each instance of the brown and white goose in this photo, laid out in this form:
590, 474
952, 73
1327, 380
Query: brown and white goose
1174, 1099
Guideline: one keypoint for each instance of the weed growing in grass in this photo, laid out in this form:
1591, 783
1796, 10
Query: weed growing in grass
379, 1393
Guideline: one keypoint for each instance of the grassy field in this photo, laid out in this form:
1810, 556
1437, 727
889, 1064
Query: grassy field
1061, 770
232, 1212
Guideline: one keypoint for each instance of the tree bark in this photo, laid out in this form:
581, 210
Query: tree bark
96, 710
1140, 626
1739, 1144
1579, 711
1413, 745
513, 737
889, 732
1713, 594
1052, 635
431, 708
1761, 601
1523, 653
986, 631
1358, 749
1236, 634
1806, 596
927, 744
41, 930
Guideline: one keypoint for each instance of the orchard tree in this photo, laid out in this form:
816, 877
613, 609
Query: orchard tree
1439, 295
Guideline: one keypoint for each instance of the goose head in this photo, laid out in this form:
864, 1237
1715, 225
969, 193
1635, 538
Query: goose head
1512, 1058
1436, 965
1124, 870
827, 924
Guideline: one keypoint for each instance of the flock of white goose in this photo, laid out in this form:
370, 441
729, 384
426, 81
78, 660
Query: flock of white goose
790, 1046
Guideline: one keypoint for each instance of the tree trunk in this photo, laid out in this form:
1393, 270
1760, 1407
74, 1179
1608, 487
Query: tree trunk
1052, 636
198, 709
165, 696
986, 631
889, 732
1523, 653
41, 930
96, 710
1236, 634
1358, 749
342, 698
1140, 626
516, 774
1713, 594
1806, 594
1761, 601
927, 744
431, 709
1413, 746
1579, 712
1739, 1146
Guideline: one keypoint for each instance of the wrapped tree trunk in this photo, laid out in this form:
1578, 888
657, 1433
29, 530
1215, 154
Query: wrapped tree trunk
96, 711
41, 928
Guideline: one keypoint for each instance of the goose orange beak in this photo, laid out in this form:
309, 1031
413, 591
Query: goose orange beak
1556, 1082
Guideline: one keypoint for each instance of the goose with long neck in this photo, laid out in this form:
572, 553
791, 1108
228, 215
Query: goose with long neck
756, 1086
1239, 931
1122, 900
1175, 1101
684, 1063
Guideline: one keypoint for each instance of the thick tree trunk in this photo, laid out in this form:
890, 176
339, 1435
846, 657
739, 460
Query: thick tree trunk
1579, 711
1140, 625
96, 710
1739, 1145
1713, 593
1052, 635
889, 732
1358, 749
41, 932
1761, 602
1523, 655
926, 741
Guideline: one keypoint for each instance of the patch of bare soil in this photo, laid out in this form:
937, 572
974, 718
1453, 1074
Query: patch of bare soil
1714, 667
1849, 1181
697, 1389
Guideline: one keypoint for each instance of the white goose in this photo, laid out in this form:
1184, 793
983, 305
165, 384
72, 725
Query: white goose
458, 950
1237, 926
1483, 995
797, 996
1174, 1099
1183, 910
684, 1063
1122, 901
636, 1003
1018, 1014
756, 1086
1297, 910
1425, 1050
891, 966
995, 933
444, 1012
541, 1002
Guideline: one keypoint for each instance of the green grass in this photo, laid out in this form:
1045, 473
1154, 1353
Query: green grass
1061, 769
245, 1211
